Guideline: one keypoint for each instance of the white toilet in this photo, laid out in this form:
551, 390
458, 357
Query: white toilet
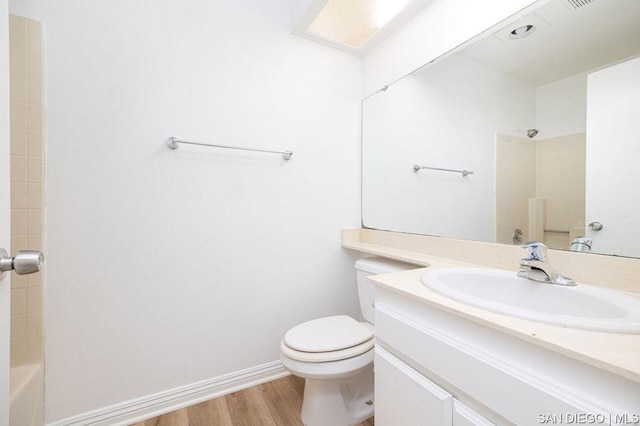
335, 356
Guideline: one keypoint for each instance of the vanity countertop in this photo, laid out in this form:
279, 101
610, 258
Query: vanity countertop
612, 352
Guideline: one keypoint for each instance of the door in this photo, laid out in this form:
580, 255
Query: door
465, 416
613, 148
5, 285
405, 397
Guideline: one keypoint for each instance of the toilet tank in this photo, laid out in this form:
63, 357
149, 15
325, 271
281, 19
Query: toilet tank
366, 291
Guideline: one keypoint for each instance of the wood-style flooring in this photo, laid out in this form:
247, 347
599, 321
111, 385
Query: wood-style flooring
276, 403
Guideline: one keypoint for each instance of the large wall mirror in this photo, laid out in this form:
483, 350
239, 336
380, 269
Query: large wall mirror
530, 131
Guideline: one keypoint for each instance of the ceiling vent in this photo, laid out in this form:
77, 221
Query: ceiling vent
577, 4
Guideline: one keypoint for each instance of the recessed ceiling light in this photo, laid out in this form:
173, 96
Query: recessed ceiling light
522, 31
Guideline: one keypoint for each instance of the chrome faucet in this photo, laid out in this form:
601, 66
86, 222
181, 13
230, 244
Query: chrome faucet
535, 267
582, 244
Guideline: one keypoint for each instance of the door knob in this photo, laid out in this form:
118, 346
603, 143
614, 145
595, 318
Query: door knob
25, 262
596, 226
517, 236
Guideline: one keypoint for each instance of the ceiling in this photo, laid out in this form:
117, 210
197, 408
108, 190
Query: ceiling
567, 41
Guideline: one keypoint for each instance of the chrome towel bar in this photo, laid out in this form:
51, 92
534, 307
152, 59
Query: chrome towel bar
173, 143
464, 173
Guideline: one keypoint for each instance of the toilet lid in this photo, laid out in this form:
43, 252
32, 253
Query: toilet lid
327, 334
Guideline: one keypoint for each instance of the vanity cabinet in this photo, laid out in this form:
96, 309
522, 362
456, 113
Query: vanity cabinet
434, 367
406, 397
465, 416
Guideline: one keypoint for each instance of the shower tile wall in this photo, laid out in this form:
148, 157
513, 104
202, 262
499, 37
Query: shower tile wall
515, 184
26, 184
550, 169
560, 178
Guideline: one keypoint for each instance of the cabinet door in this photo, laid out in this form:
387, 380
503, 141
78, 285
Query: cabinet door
465, 416
405, 397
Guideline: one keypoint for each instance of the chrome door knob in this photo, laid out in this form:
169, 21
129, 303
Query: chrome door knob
517, 236
596, 226
25, 262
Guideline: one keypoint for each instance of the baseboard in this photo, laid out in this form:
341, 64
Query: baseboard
146, 407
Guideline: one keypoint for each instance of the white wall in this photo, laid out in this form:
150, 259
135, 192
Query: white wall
561, 107
170, 267
444, 116
438, 28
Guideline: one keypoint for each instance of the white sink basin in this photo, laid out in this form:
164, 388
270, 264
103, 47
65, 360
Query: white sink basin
582, 306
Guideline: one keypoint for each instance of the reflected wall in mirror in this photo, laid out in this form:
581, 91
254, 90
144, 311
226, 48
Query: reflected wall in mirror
545, 123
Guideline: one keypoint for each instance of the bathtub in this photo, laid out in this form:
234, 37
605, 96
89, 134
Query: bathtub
26, 397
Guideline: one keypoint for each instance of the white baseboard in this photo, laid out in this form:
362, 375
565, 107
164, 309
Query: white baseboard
146, 407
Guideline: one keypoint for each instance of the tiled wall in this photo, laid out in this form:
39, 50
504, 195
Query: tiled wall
550, 169
515, 184
561, 180
26, 184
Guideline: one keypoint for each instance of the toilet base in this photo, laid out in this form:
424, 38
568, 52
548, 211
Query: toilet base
339, 402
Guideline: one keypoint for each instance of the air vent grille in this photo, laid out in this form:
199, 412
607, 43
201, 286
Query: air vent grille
577, 4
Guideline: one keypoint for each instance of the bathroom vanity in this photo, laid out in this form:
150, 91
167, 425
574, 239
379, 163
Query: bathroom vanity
443, 362
446, 152
434, 364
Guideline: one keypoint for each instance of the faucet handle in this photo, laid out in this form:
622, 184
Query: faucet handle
582, 244
535, 250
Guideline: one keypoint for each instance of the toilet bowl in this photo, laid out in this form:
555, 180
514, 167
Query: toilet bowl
335, 356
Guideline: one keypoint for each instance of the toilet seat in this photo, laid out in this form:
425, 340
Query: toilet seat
327, 356
327, 339
328, 370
